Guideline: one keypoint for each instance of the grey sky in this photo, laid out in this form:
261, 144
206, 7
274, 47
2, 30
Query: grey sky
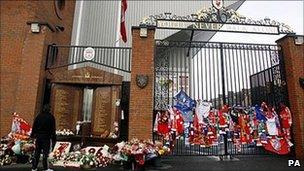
288, 12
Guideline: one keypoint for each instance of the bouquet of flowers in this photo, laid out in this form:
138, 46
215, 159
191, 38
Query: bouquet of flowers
104, 157
87, 157
18, 151
27, 147
65, 132
115, 132
103, 161
74, 156
88, 160
55, 156
7, 155
72, 159
138, 150
15, 151
149, 150
132, 152
5, 160
117, 152
3, 147
162, 149
69, 159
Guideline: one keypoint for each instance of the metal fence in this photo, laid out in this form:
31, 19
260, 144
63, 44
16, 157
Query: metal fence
268, 85
220, 73
118, 58
217, 72
181, 148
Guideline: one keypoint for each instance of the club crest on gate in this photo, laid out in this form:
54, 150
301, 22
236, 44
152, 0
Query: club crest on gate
218, 4
142, 80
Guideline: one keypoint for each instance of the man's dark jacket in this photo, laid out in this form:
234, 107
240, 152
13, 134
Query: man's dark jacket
44, 127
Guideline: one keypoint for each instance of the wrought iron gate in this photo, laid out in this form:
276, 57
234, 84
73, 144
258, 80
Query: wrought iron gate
220, 73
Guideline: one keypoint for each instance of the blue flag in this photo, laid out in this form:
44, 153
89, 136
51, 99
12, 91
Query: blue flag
259, 114
185, 105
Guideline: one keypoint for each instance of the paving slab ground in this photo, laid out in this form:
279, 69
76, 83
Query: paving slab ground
200, 163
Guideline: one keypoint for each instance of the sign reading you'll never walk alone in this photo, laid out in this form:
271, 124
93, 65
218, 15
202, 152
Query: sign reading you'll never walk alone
216, 18
217, 27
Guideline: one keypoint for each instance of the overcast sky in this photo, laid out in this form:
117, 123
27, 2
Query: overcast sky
289, 12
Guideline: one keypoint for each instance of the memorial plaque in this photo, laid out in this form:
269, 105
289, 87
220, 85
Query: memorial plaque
77, 106
66, 106
102, 109
62, 108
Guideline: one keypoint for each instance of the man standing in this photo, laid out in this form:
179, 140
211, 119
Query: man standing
44, 130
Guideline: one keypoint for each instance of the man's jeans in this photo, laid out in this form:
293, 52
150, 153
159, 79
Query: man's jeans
42, 144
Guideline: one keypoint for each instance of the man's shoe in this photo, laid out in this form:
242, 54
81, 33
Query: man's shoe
34, 169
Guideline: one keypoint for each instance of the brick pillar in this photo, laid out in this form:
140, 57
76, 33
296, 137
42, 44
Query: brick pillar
30, 84
293, 56
141, 100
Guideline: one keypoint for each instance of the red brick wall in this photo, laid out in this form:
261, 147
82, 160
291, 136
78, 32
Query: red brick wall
12, 37
141, 100
294, 66
23, 55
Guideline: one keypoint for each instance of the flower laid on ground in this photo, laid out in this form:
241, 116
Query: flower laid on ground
103, 161
88, 160
5, 160
135, 151
140, 151
87, 157
27, 148
65, 132
162, 149
115, 132
73, 156
55, 156
118, 155
12, 151
3, 147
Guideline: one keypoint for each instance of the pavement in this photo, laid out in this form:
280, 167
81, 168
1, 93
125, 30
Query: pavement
200, 163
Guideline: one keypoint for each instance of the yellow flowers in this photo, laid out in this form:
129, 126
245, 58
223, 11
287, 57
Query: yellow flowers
161, 152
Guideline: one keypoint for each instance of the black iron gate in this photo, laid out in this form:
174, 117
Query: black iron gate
220, 73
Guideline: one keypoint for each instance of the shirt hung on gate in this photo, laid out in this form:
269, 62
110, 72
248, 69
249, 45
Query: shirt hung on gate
202, 111
271, 126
